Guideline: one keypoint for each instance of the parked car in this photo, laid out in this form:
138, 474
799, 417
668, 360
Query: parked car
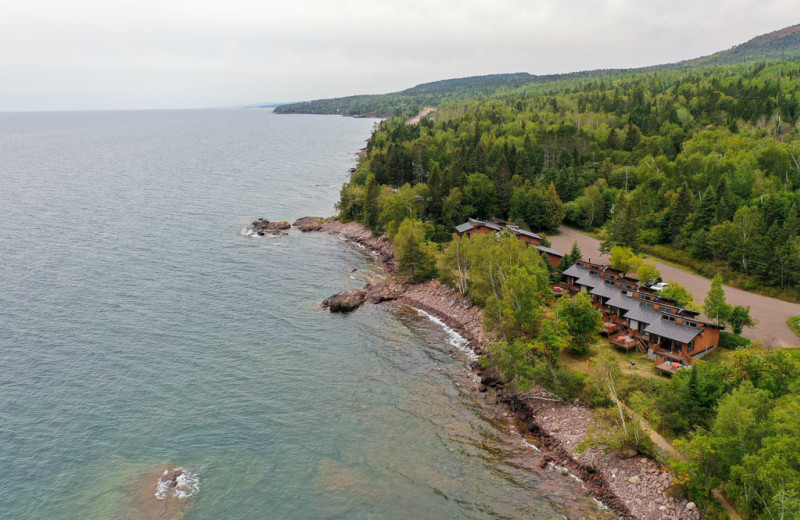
660, 286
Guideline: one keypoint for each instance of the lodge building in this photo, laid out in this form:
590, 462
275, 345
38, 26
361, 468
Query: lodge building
495, 225
638, 318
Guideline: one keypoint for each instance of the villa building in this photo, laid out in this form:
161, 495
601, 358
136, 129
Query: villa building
637, 317
495, 225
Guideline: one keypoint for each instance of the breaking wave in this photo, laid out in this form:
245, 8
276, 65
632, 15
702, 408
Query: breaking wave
177, 483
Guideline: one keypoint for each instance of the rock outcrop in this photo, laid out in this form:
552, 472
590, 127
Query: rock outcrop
309, 223
262, 227
345, 301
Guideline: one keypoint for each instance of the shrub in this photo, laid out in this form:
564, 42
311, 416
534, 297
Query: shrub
732, 341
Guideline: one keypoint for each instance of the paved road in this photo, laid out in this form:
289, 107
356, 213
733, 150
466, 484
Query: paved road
770, 313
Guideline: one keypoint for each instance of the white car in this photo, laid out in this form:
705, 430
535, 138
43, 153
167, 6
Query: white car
660, 286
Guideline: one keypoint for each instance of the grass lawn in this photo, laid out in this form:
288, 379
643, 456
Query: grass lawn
718, 355
583, 363
794, 324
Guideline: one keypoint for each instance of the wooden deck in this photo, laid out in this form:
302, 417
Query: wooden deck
669, 364
623, 342
669, 367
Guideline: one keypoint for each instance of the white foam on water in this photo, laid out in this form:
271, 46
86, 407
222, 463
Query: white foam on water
186, 485
565, 471
529, 445
562, 469
455, 339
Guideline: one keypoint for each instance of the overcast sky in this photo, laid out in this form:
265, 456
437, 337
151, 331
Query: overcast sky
95, 54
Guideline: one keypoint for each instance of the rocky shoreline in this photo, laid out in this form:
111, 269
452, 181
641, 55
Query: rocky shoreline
635, 487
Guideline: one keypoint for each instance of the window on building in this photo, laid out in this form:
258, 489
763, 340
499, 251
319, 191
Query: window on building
667, 318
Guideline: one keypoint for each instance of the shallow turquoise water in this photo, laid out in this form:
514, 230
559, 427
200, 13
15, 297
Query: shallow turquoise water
138, 328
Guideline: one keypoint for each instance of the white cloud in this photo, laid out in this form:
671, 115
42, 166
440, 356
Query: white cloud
86, 54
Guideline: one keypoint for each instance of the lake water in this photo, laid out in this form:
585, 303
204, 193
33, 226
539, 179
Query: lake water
139, 330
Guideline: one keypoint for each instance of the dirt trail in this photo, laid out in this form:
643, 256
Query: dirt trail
770, 313
667, 448
416, 119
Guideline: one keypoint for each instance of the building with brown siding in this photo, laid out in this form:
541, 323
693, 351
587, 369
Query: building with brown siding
671, 335
474, 226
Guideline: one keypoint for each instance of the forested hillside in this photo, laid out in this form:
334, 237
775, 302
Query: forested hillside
781, 44
410, 101
704, 161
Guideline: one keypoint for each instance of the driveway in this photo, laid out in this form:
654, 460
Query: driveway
770, 313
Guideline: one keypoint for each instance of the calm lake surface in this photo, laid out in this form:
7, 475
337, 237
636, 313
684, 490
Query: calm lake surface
139, 330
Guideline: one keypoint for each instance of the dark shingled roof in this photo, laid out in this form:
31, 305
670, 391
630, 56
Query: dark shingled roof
473, 223
620, 301
605, 290
515, 229
466, 226
576, 271
549, 251
643, 315
590, 281
674, 331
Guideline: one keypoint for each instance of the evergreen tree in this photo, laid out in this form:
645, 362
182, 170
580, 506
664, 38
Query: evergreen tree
623, 228
706, 210
575, 253
699, 403
677, 214
612, 141
632, 138
502, 187
553, 207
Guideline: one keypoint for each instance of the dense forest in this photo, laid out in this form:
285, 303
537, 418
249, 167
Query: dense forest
781, 44
704, 161
698, 162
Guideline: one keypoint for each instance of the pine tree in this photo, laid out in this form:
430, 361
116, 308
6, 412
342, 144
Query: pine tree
612, 141
502, 187
677, 214
623, 228
632, 138
575, 254
554, 208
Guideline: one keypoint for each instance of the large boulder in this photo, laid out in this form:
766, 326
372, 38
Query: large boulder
264, 225
345, 301
309, 223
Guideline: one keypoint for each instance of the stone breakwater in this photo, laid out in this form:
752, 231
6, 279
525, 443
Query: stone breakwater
635, 487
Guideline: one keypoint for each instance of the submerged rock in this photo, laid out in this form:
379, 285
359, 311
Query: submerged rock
163, 493
345, 301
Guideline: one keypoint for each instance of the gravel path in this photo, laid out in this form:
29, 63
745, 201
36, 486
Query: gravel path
770, 313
